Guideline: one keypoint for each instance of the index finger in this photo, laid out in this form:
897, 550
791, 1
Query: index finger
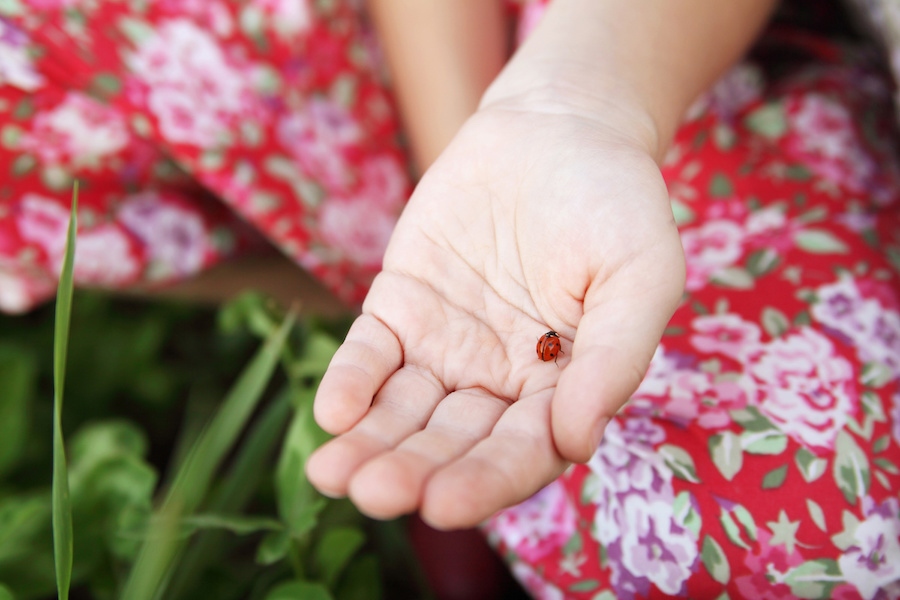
369, 355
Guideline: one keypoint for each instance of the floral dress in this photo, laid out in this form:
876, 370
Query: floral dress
760, 457
192, 126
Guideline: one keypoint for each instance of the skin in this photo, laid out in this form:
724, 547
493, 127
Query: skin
546, 211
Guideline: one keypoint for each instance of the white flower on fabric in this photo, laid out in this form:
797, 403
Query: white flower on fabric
14, 296
873, 562
654, 546
79, 132
16, 68
175, 238
805, 387
287, 18
192, 89
872, 328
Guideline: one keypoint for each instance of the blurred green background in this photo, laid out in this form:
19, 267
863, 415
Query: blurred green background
145, 380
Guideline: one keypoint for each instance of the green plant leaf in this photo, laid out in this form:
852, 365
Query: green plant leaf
362, 580
299, 590
6, 593
334, 551
193, 479
17, 382
298, 502
237, 524
232, 494
273, 547
61, 502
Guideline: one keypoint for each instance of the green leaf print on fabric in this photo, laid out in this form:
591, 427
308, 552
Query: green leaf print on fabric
770, 441
775, 322
819, 241
715, 561
814, 579
851, 468
727, 455
816, 513
720, 186
684, 512
768, 121
810, 466
760, 262
774, 478
734, 532
680, 462
734, 277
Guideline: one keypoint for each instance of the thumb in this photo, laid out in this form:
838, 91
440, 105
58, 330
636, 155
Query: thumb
613, 347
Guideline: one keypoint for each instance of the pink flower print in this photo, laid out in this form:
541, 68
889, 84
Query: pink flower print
79, 132
727, 334
43, 223
822, 134
686, 395
358, 228
107, 257
538, 587
196, 94
317, 138
538, 526
761, 561
104, 255
209, 14
384, 181
174, 237
805, 387
710, 248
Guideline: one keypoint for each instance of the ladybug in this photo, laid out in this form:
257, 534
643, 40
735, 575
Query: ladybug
549, 346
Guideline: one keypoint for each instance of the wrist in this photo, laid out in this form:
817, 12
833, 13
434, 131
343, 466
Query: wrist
613, 109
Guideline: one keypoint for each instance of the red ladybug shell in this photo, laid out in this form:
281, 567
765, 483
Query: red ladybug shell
549, 346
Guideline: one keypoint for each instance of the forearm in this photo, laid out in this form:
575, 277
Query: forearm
442, 54
641, 60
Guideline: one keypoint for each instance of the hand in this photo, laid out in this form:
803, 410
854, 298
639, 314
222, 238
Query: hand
531, 220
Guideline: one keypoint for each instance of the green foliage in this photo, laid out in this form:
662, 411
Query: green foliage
60, 499
185, 480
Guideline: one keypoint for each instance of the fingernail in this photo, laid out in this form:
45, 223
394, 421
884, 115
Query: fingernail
597, 434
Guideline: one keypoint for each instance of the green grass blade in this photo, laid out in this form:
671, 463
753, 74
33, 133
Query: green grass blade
61, 503
233, 494
151, 570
